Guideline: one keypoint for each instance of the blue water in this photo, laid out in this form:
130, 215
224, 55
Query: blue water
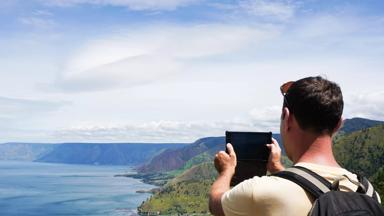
29, 188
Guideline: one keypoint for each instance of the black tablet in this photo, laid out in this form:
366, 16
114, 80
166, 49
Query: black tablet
252, 153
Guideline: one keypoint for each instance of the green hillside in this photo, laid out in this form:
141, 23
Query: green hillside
204, 171
199, 159
362, 152
187, 193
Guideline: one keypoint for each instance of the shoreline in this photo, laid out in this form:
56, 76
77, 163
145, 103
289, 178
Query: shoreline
156, 179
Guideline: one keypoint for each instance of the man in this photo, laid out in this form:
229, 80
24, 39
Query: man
311, 114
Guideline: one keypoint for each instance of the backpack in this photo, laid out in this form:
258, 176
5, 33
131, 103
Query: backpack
329, 200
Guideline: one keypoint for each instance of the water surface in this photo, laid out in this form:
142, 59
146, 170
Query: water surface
29, 188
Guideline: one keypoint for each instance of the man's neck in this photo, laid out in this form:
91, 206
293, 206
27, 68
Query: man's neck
319, 151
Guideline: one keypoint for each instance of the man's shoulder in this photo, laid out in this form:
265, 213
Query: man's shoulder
267, 195
270, 186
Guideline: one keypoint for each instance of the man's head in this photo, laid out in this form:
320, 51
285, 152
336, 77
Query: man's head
312, 107
316, 103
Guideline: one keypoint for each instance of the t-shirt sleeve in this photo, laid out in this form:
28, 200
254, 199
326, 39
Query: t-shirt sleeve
238, 200
257, 196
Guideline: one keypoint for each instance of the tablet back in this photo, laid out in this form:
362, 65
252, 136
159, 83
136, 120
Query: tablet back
252, 153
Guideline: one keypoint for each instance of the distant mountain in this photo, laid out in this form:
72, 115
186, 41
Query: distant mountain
24, 151
173, 159
356, 124
105, 154
85, 153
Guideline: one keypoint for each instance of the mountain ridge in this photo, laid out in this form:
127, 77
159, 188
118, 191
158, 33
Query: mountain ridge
85, 153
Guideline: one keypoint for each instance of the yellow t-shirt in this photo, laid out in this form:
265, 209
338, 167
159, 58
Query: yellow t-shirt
271, 195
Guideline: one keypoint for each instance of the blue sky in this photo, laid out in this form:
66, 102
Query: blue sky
177, 70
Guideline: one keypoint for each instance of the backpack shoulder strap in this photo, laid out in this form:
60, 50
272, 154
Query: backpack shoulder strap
367, 188
307, 179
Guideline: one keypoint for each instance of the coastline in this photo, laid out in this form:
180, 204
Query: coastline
156, 179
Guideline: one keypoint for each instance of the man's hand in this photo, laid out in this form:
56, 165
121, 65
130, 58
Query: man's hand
274, 161
225, 163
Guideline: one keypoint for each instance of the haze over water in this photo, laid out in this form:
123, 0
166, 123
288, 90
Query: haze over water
29, 188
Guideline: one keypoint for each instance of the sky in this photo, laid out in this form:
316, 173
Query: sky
178, 70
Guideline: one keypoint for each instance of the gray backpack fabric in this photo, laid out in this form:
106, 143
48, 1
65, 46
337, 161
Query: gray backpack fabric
329, 201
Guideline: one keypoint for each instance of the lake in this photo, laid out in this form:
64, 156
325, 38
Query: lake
29, 188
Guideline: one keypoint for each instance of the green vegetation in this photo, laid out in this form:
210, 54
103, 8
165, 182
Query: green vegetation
187, 193
362, 152
204, 171
199, 159
184, 197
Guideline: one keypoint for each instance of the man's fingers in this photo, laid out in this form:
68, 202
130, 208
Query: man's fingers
230, 149
274, 142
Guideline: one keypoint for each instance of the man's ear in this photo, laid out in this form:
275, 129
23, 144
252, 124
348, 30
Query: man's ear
285, 118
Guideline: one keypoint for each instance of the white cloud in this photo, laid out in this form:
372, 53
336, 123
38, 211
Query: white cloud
366, 104
260, 119
151, 54
155, 131
152, 5
267, 118
191, 72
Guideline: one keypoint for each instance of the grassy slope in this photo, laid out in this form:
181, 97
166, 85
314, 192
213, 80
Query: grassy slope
201, 158
187, 193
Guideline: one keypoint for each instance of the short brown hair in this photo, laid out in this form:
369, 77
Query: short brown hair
316, 103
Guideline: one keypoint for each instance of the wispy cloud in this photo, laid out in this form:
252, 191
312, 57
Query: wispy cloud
201, 61
152, 5
151, 54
